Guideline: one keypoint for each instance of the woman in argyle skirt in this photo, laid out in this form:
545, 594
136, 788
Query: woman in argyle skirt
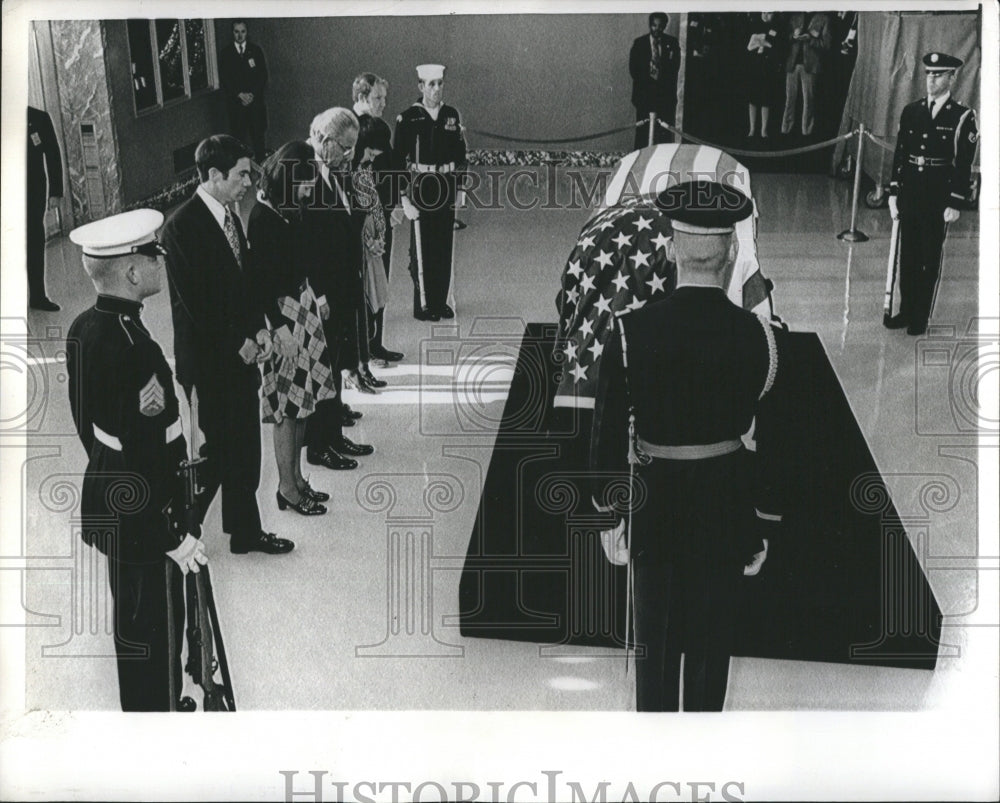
299, 372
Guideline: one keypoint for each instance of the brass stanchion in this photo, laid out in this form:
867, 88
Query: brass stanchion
652, 124
852, 235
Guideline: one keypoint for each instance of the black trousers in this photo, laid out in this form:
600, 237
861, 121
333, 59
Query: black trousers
434, 194
229, 415
667, 597
921, 238
378, 318
326, 424
37, 203
141, 643
248, 124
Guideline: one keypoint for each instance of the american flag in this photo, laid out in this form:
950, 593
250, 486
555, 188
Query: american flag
619, 262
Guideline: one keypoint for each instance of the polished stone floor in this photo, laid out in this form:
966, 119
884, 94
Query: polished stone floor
324, 628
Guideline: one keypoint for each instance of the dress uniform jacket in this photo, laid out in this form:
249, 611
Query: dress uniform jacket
43, 155
697, 364
931, 171
659, 94
434, 153
125, 411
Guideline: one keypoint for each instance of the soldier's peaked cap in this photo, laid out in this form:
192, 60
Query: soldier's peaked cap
704, 207
941, 62
118, 235
430, 72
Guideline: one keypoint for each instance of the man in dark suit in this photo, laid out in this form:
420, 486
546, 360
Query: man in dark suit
681, 382
653, 63
219, 335
45, 181
243, 74
332, 247
808, 48
931, 172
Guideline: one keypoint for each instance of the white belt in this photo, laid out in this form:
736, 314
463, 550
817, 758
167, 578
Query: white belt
445, 168
173, 432
699, 451
108, 440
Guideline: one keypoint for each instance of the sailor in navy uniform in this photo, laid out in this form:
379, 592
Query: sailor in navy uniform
681, 383
126, 414
430, 146
931, 172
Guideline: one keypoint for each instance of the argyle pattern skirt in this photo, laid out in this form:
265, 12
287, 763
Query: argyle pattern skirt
292, 385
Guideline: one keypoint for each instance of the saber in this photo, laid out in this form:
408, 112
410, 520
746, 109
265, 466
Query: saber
890, 272
168, 568
420, 245
940, 270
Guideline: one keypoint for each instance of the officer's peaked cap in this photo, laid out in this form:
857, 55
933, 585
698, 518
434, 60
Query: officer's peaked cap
118, 235
941, 62
704, 207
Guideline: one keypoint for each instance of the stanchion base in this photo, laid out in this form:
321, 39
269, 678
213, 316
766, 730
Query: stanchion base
853, 236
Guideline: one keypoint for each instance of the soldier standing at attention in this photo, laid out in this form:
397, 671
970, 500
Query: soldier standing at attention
931, 172
121, 393
429, 144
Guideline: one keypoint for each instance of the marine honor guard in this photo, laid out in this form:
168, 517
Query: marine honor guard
126, 414
430, 145
931, 172
682, 381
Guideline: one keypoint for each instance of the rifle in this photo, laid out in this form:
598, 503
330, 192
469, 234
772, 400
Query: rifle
890, 272
203, 635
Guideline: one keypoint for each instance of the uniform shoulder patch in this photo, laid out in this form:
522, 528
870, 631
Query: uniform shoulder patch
152, 397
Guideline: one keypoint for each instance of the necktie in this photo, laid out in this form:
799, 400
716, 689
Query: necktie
233, 237
930, 106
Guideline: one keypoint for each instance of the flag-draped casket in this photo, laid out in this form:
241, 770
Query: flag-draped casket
840, 579
619, 260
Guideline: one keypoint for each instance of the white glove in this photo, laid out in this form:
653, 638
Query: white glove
758, 561
396, 216
264, 345
951, 215
284, 344
411, 212
460, 199
190, 555
894, 207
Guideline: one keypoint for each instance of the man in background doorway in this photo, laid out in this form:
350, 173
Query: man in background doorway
45, 181
653, 64
243, 74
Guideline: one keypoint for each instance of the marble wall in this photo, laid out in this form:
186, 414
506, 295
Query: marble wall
85, 97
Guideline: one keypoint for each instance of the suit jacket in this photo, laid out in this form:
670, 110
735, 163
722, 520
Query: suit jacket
246, 73
214, 304
332, 248
661, 94
815, 50
43, 154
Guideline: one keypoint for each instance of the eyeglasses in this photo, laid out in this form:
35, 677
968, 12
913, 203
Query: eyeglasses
344, 149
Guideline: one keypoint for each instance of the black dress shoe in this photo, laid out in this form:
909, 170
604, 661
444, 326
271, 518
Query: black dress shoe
312, 493
426, 315
347, 421
371, 379
268, 543
895, 322
916, 329
446, 312
186, 705
306, 506
354, 415
330, 459
347, 446
382, 353
45, 305
353, 379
